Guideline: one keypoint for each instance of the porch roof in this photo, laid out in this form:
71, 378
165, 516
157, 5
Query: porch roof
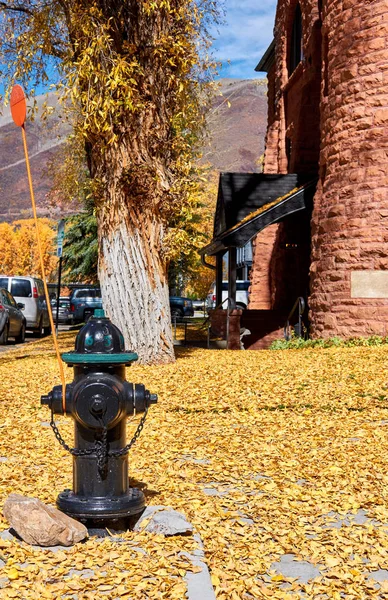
267, 59
249, 202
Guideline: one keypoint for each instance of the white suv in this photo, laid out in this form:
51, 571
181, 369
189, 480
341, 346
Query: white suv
242, 295
30, 292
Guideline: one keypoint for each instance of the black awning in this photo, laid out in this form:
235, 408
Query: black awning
268, 59
249, 202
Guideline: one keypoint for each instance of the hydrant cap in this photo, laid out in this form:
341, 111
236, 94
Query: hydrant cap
99, 341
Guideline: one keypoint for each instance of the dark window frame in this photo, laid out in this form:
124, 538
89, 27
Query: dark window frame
296, 44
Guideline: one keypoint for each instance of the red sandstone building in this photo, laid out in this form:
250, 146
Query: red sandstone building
318, 215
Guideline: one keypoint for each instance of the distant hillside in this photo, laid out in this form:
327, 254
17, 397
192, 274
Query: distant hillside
237, 124
44, 140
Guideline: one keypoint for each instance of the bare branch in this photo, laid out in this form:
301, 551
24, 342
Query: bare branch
16, 8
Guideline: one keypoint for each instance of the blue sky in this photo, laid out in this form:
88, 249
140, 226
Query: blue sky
244, 37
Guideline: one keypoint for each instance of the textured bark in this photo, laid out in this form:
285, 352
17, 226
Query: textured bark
134, 286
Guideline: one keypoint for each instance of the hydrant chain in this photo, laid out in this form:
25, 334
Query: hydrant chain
137, 433
73, 451
97, 446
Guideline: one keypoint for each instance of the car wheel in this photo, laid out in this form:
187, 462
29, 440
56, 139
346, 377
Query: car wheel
4, 335
47, 330
40, 331
20, 339
176, 314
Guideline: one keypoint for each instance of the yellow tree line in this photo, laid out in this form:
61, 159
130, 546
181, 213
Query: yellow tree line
19, 252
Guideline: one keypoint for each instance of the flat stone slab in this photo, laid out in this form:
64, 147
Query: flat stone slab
82, 574
163, 520
289, 566
336, 521
380, 575
199, 585
7, 535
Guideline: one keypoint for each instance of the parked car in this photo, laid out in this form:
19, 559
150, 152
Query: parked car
199, 305
30, 292
242, 295
12, 320
181, 307
64, 314
83, 301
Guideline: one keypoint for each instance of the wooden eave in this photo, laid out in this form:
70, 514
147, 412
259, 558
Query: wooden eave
273, 212
268, 59
251, 222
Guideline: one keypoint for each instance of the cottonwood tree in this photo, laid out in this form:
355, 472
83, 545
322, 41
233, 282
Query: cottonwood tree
133, 71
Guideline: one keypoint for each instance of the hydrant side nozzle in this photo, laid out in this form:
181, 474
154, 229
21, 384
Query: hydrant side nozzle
46, 400
54, 399
153, 398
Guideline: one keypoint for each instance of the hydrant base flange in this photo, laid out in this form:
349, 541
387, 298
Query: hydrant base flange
115, 507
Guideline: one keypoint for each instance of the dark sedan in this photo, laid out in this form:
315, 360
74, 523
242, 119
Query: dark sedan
12, 320
181, 307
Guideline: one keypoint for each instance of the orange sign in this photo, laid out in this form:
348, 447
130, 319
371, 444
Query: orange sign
18, 105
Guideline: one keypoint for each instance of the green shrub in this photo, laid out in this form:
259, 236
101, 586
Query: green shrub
296, 343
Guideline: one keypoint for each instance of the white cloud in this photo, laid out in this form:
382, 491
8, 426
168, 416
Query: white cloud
245, 35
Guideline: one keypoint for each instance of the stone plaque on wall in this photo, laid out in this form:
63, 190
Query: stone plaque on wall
369, 284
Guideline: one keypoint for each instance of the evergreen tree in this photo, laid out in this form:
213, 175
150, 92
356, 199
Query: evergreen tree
80, 250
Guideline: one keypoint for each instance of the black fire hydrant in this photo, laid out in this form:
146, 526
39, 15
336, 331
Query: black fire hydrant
100, 400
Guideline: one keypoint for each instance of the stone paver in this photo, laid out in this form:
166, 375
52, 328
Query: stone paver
199, 585
164, 520
290, 566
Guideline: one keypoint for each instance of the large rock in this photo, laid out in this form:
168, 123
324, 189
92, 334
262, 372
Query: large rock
163, 520
41, 525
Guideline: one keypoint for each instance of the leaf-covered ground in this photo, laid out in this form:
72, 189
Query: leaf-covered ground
267, 453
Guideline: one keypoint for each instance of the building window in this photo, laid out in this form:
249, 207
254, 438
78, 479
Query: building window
296, 47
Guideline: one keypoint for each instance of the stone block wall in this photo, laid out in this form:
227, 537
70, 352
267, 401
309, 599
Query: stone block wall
218, 321
350, 219
333, 109
260, 291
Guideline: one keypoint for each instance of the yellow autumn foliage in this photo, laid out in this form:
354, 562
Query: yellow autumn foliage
267, 453
18, 248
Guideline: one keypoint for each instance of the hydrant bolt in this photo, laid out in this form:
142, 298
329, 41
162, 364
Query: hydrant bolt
98, 405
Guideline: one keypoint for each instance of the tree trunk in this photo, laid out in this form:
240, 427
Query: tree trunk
133, 281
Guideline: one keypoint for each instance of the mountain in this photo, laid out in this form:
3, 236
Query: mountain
43, 141
237, 124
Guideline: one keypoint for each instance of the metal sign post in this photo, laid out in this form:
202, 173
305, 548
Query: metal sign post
19, 112
60, 238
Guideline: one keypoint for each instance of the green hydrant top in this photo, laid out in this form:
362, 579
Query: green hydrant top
99, 342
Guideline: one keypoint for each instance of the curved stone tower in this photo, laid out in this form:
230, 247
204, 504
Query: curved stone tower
328, 116
349, 261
